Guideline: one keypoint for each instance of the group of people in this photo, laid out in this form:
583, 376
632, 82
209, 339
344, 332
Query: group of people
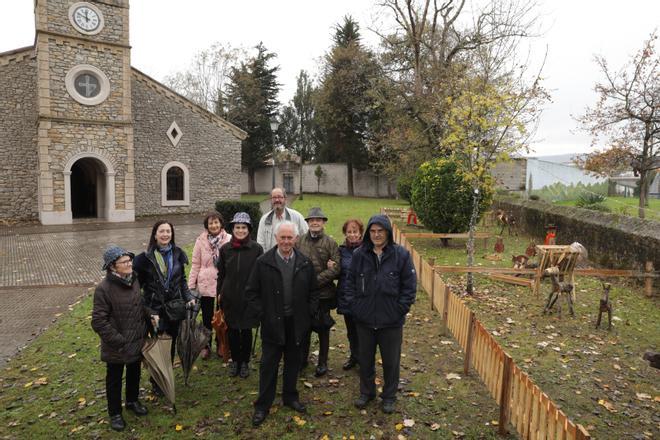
286, 282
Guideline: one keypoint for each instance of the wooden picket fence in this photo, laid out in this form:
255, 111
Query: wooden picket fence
521, 402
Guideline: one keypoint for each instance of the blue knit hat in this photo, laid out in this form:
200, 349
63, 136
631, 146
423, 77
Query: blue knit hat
113, 253
241, 217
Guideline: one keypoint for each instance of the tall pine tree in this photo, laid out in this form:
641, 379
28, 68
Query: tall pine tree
345, 101
251, 104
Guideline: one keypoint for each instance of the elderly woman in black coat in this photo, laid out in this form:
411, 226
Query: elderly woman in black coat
120, 320
237, 257
161, 271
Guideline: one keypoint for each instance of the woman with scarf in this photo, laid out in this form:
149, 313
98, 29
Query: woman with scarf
234, 266
204, 273
353, 230
121, 322
162, 275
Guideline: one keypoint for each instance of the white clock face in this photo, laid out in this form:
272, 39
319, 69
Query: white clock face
86, 18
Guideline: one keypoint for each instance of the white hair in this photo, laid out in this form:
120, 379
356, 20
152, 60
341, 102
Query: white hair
287, 223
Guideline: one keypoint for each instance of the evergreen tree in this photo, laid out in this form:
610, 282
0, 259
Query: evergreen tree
299, 128
345, 102
251, 104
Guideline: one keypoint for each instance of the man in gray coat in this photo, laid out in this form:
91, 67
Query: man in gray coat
277, 215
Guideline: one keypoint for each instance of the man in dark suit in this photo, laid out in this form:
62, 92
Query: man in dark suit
282, 292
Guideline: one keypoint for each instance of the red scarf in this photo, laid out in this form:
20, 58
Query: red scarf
236, 243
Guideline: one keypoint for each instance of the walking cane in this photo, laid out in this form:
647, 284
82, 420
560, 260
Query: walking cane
254, 340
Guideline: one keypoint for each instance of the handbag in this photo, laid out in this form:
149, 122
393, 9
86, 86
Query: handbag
175, 310
321, 320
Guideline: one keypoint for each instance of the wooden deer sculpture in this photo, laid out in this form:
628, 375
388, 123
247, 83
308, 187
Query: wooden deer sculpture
559, 289
605, 306
506, 220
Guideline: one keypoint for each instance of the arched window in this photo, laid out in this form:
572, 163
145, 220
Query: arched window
175, 184
175, 189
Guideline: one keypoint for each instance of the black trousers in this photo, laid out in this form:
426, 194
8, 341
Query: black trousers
351, 333
113, 379
325, 305
388, 341
240, 344
207, 304
270, 363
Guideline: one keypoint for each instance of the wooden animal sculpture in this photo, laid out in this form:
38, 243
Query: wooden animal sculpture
653, 357
531, 250
499, 245
519, 261
559, 289
505, 220
605, 306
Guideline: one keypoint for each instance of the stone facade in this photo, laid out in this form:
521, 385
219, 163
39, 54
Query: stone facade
18, 142
63, 149
209, 148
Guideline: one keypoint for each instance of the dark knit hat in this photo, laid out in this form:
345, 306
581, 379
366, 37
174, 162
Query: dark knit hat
112, 254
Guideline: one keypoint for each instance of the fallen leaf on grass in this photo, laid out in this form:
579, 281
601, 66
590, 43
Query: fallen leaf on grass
227, 414
643, 396
41, 381
450, 376
607, 405
398, 426
494, 422
27, 385
446, 342
327, 413
408, 423
435, 427
72, 355
413, 394
178, 428
77, 428
616, 367
308, 384
299, 421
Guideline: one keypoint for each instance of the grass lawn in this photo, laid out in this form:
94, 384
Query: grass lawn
55, 387
597, 376
626, 206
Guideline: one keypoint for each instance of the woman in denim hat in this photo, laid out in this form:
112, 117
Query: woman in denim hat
234, 266
120, 320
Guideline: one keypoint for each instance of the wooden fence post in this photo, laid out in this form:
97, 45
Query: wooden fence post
432, 263
582, 434
507, 372
468, 344
445, 311
648, 282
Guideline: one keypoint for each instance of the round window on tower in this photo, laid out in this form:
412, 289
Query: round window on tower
87, 84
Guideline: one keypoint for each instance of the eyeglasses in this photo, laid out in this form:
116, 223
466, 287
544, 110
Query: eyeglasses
124, 263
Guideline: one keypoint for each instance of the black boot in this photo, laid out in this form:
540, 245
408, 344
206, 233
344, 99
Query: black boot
245, 370
233, 369
117, 422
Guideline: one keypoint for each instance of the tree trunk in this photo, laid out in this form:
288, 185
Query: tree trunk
642, 194
349, 168
470, 243
611, 188
251, 186
301, 178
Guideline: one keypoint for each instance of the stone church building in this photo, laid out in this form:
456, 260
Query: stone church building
86, 135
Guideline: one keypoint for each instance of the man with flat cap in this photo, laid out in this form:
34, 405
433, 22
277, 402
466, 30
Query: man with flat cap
321, 248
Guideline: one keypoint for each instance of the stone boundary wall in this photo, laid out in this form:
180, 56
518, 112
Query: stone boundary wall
613, 241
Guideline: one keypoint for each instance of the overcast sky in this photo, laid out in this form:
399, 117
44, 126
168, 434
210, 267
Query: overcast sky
166, 33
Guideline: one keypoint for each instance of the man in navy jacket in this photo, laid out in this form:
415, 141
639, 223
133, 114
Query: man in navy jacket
381, 287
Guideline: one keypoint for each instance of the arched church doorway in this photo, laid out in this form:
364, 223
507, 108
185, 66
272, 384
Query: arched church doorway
88, 182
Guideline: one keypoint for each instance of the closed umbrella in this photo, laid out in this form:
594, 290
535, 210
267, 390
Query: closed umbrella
156, 355
192, 339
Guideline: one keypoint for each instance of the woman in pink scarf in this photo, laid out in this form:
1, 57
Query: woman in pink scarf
204, 274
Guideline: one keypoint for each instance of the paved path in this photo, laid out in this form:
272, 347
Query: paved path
44, 269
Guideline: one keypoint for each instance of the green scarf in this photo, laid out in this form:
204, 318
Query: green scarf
161, 263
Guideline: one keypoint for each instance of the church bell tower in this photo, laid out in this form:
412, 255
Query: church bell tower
85, 128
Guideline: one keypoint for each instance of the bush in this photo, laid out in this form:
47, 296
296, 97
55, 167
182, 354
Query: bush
534, 197
442, 198
403, 187
558, 192
587, 198
230, 207
597, 207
